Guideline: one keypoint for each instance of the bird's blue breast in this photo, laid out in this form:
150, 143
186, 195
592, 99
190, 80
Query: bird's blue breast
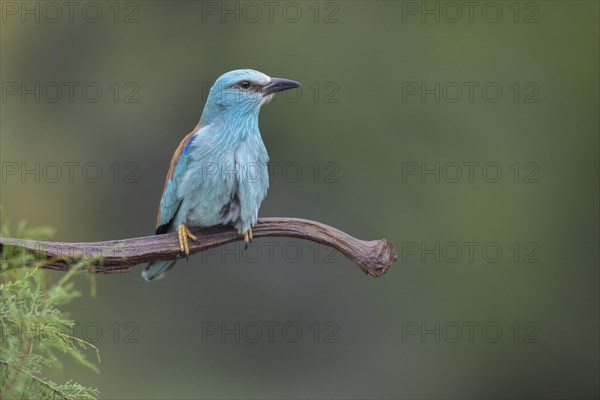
223, 178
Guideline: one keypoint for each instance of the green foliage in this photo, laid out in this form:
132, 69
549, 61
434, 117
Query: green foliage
33, 330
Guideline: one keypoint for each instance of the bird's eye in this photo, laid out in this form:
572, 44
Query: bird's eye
245, 84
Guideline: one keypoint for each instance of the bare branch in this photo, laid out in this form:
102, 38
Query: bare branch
374, 257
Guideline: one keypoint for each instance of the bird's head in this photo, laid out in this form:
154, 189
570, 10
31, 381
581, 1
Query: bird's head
241, 92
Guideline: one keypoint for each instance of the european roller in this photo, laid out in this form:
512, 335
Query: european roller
218, 174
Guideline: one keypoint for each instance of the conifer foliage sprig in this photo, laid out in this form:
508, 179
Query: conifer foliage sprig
33, 329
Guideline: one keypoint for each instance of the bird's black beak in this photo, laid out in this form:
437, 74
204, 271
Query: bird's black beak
279, 85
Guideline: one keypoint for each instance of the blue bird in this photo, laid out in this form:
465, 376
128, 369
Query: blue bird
218, 173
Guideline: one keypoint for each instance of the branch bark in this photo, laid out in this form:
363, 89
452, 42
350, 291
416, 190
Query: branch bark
374, 257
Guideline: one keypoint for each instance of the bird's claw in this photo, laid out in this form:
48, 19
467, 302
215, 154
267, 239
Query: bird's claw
184, 233
247, 236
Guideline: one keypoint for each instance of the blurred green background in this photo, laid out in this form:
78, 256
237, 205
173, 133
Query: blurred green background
357, 131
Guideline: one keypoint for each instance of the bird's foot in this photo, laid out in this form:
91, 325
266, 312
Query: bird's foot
247, 236
184, 233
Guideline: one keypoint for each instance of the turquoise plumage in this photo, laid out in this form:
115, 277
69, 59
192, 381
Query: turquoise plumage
218, 174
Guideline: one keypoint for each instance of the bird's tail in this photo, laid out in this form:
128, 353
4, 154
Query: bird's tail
157, 270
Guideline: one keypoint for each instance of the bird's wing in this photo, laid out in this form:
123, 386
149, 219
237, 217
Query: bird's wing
171, 199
